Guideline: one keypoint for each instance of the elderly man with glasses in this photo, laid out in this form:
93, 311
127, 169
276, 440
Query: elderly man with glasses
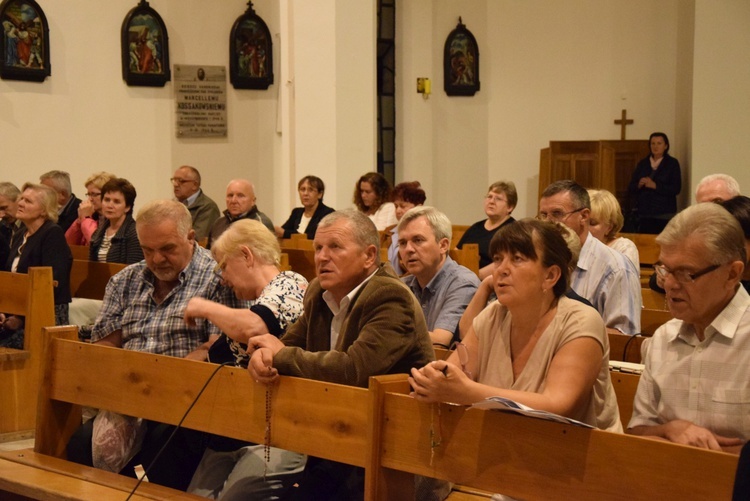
186, 185
604, 276
695, 386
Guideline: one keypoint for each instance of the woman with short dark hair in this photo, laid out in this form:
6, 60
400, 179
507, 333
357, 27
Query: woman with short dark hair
305, 219
533, 345
116, 241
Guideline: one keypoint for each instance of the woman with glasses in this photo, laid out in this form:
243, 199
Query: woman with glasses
305, 219
41, 244
499, 203
115, 241
653, 188
248, 256
533, 345
372, 196
90, 210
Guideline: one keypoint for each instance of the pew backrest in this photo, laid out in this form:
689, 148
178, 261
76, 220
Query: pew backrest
468, 256
530, 458
302, 261
80, 251
88, 279
29, 295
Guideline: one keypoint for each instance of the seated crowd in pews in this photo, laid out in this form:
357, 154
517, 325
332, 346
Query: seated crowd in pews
230, 303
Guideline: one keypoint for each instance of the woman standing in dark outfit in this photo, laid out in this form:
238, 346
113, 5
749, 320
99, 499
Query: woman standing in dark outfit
655, 184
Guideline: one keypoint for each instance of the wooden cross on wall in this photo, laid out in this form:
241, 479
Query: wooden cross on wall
623, 122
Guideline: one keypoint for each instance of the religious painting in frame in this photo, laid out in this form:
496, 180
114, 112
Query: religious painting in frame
25, 43
145, 48
461, 62
250, 52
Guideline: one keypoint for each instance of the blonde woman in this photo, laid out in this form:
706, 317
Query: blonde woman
606, 222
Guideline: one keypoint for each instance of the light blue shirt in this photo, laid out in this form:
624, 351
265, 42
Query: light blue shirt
610, 281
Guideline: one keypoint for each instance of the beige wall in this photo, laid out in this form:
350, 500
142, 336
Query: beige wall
550, 70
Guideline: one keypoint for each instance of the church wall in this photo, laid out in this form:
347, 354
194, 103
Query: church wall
721, 95
549, 71
84, 118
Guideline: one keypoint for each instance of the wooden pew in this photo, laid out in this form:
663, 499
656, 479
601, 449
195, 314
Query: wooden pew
625, 347
648, 253
653, 319
284, 262
88, 279
296, 241
530, 458
80, 252
458, 232
625, 386
322, 419
467, 256
302, 261
653, 300
29, 295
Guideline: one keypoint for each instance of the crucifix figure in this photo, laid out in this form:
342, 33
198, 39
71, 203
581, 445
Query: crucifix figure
623, 122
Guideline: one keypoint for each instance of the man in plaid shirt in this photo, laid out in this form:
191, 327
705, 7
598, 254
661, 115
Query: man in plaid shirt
143, 310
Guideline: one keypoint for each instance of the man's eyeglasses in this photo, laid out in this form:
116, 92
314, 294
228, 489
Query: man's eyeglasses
557, 215
684, 276
179, 180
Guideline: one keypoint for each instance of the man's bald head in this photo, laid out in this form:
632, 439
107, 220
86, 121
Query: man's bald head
240, 197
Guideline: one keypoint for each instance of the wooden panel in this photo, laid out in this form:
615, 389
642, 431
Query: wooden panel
625, 386
648, 249
534, 459
30, 295
322, 419
81, 251
303, 262
457, 232
653, 300
88, 279
653, 319
586, 170
468, 256
624, 347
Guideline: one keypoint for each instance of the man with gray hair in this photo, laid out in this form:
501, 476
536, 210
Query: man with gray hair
603, 276
67, 202
143, 310
442, 286
695, 383
716, 188
359, 321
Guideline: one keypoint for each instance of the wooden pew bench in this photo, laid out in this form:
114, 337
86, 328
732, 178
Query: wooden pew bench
88, 279
529, 458
80, 252
29, 295
316, 418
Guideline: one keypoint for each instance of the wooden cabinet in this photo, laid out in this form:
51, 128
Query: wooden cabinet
601, 164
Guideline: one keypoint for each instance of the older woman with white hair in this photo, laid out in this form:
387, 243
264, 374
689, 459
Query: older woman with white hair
248, 258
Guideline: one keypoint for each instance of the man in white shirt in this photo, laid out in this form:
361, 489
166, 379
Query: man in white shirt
695, 386
604, 276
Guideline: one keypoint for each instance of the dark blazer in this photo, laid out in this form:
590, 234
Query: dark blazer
125, 248
290, 227
69, 213
668, 179
46, 247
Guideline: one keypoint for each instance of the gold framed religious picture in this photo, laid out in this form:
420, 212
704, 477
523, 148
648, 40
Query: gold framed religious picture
461, 62
145, 48
25, 43
250, 52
